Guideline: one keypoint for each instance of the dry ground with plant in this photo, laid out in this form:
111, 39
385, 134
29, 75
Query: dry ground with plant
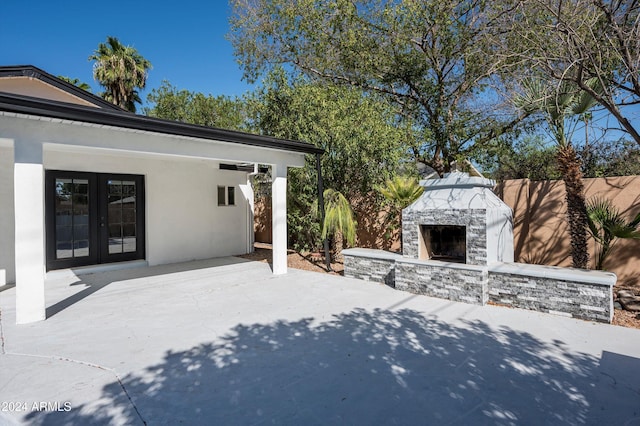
315, 263
296, 260
623, 317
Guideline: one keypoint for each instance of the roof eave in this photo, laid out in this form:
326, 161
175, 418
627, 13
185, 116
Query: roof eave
65, 111
37, 73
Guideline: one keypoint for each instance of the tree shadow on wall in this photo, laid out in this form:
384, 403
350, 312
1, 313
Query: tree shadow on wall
537, 217
625, 251
368, 367
377, 227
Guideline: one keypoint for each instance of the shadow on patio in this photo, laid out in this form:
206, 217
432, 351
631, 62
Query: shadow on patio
100, 280
371, 367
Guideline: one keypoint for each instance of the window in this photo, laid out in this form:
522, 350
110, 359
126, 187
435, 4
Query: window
231, 196
221, 196
226, 196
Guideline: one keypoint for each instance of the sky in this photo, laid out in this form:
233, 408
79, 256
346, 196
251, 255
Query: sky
184, 40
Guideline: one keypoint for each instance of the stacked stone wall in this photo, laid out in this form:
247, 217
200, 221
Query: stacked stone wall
473, 219
370, 265
589, 301
460, 283
561, 291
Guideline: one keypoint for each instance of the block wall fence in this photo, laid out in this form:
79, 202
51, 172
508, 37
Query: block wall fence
540, 231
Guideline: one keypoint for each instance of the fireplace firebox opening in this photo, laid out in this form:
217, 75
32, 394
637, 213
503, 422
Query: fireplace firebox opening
447, 243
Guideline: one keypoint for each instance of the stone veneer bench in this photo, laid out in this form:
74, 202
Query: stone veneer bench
370, 265
569, 292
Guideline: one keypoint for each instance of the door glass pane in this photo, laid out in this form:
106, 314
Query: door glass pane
72, 218
129, 237
80, 248
121, 216
115, 238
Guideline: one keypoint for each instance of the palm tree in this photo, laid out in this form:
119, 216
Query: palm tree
562, 106
76, 82
606, 225
339, 219
400, 192
121, 70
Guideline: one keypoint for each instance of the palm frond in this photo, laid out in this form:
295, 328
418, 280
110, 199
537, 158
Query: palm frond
534, 96
606, 224
401, 190
636, 221
585, 101
120, 70
338, 216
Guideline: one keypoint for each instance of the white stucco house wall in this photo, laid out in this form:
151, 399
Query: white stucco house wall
83, 182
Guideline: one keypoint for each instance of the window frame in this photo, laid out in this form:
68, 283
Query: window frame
224, 194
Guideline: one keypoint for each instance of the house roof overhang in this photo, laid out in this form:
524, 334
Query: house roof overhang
31, 106
31, 71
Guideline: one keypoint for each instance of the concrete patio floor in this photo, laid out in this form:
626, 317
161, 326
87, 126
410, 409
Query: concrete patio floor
223, 341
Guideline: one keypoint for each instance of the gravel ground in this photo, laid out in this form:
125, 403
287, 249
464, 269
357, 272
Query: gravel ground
304, 261
626, 318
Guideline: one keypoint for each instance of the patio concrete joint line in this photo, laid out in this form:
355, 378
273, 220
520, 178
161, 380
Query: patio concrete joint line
130, 400
1, 336
87, 364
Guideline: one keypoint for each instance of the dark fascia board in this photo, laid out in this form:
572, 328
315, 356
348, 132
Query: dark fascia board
37, 73
124, 119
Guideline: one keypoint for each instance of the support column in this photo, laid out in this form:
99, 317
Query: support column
29, 229
247, 191
279, 218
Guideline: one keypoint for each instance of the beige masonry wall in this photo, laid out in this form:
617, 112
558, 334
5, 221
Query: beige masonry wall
541, 233
376, 229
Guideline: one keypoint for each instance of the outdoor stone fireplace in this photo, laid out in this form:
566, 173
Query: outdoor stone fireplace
458, 219
457, 241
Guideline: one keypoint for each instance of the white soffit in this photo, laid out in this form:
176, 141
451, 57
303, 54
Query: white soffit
204, 142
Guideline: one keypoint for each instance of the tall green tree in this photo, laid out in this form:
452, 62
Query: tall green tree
360, 134
606, 158
121, 71
170, 103
533, 157
431, 58
528, 157
579, 41
561, 106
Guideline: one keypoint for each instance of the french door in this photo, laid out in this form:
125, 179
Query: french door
93, 218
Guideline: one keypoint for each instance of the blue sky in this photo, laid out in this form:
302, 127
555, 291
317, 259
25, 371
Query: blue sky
184, 40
